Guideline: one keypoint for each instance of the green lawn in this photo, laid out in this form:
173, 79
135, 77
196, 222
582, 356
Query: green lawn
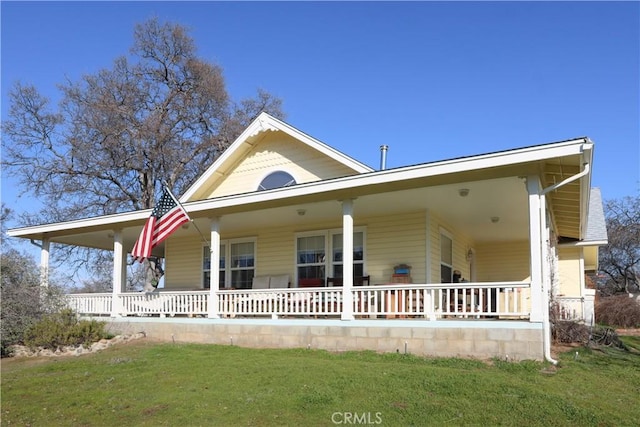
150, 384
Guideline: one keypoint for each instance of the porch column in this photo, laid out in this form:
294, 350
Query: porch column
119, 273
347, 259
536, 243
44, 262
214, 268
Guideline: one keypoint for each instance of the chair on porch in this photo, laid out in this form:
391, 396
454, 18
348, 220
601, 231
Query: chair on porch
357, 281
260, 282
310, 283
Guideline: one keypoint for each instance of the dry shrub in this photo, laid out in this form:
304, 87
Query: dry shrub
569, 332
618, 311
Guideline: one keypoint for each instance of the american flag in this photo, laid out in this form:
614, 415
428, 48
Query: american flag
165, 218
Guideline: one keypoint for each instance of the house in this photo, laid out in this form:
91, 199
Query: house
312, 248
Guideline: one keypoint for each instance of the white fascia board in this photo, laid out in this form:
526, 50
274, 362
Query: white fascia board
532, 154
320, 146
255, 127
585, 187
505, 158
114, 221
265, 122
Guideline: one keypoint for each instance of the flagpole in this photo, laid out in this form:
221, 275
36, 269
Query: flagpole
166, 187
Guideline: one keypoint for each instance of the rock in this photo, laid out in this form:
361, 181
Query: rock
23, 351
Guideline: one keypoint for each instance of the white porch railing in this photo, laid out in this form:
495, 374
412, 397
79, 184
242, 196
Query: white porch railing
427, 301
570, 308
91, 304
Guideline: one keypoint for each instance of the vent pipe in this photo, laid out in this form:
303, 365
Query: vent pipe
383, 156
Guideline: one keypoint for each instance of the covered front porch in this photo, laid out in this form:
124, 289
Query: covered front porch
427, 302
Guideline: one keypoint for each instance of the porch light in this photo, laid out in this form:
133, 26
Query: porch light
463, 192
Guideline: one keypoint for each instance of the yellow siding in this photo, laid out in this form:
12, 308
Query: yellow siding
276, 252
399, 239
503, 261
570, 280
183, 266
389, 241
461, 245
278, 152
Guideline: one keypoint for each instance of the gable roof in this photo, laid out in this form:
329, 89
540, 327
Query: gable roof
247, 139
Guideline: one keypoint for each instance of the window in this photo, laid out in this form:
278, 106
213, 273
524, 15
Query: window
239, 271
276, 179
312, 262
446, 257
358, 255
206, 266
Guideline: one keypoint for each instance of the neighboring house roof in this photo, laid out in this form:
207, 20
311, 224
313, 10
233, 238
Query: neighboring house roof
596, 223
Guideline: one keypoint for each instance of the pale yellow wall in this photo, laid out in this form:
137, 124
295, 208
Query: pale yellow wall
570, 280
393, 240
389, 241
183, 264
461, 244
278, 152
503, 261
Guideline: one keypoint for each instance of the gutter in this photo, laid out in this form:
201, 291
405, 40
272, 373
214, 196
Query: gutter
546, 324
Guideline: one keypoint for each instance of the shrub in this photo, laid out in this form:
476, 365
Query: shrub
63, 329
618, 311
24, 301
568, 331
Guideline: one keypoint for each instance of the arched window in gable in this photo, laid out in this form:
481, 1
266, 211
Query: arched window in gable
276, 179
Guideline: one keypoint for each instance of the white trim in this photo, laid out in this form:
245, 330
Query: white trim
536, 219
265, 122
118, 266
444, 232
45, 252
525, 155
227, 259
269, 173
428, 267
328, 250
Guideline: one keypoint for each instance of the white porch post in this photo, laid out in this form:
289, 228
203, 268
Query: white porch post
347, 259
119, 273
536, 243
44, 262
214, 268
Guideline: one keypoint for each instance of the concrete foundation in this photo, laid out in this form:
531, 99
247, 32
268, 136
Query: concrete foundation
517, 340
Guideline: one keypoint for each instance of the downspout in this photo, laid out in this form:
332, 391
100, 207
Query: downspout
568, 180
546, 324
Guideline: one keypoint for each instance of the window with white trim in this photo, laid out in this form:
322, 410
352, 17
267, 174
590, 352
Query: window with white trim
238, 272
358, 255
446, 257
312, 264
276, 179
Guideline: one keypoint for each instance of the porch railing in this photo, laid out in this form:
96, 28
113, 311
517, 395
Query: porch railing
427, 301
570, 308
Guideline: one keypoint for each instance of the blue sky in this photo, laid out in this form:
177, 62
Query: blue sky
433, 80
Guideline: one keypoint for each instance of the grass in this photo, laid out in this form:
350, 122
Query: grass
151, 384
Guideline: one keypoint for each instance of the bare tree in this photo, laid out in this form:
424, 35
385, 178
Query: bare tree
121, 131
160, 114
620, 259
